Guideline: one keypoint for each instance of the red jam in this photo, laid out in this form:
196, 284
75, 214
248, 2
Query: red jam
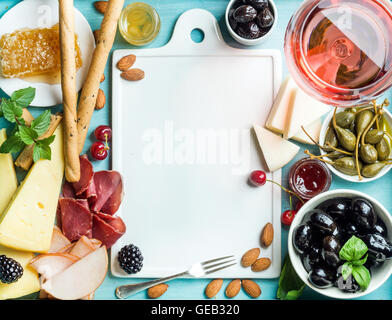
308, 178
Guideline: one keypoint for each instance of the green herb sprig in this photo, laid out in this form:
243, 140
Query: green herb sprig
290, 284
22, 135
354, 252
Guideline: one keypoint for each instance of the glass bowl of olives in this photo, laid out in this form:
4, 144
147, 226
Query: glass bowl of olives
354, 136
250, 22
340, 244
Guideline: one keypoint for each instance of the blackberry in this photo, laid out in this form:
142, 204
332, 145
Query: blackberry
10, 270
130, 259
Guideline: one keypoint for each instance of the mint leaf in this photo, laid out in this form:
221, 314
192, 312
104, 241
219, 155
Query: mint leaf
41, 151
11, 110
23, 97
353, 249
12, 145
362, 275
290, 285
27, 135
346, 270
41, 124
47, 141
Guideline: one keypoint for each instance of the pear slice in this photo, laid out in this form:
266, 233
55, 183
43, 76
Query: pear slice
277, 151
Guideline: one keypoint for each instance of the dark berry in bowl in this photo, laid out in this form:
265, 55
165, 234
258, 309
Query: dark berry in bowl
130, 259
248, 30
10, 270
265, 19
258, 4
244, 14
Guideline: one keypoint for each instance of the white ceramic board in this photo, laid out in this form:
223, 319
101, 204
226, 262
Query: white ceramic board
183, 143
44, 14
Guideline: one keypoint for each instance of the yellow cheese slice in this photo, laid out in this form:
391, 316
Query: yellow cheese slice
8, 180
27, 284
27, 223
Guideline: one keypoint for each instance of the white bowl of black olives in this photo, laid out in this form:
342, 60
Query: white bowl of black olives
340, 244
250, 22
374, 144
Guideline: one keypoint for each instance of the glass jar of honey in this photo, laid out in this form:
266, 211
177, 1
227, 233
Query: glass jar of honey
139, 23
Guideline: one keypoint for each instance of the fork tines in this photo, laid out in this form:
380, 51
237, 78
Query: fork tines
218, 264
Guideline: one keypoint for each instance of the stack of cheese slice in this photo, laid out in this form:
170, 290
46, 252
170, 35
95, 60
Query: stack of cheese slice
292, 109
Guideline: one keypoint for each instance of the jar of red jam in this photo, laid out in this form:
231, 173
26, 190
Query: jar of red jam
308, 178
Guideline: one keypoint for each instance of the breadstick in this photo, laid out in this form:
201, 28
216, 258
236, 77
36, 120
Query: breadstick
89, 93
68, 85
25, 159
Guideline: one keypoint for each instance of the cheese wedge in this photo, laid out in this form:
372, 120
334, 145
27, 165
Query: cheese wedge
27, 223
303, 111
312, 129
27, 284
277, 151
8, 180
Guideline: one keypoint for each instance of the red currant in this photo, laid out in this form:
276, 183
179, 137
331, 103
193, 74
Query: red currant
258, 178
288, 217
103, 133
99, 151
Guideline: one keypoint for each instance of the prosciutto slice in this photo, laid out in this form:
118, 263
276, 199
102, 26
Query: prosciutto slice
86, 177
109, 192
76, 219
107, 228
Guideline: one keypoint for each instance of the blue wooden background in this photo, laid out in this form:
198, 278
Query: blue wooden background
169, 11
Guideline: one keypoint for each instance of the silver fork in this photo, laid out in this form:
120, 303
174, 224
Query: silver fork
196, 271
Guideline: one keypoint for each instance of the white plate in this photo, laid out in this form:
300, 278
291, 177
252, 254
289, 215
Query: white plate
42, 14
178, 210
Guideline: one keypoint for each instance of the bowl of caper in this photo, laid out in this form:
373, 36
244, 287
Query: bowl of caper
356, 143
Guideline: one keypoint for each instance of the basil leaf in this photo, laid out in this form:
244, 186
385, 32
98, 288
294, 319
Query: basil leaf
41, 151
11, 110
360, 262
27, 135
362, 275
23, 97
290, 285
41, 123
353, 249
346, 270
12, 145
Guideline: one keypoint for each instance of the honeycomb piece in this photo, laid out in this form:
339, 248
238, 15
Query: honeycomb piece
32, 52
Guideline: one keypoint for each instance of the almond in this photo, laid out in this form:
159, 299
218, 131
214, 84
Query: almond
267, 235
133, 74
101, 100
158, 290
251, 288
101, 6
126, 62
233, 288
213, 288
102, 78
261, 264
96, 35
250, 257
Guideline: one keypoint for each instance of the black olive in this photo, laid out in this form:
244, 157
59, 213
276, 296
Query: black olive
322, 221
332, 244
265, 19
322, 277
312, 258
348, 285
371, 263
302, 238
379, 248
362, 214
330, 251
351, 229
337, 208
380, 228
248, 30
258, 4
233, 23
244, 14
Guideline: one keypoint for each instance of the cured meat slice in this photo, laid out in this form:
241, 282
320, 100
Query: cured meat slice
76, 219
107, 228
109, 192
86, 176
68, 190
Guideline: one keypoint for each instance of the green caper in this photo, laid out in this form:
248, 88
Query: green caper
371, 170
335, 155
347, 166
383, 149
346, 138
362, 120
344, 119
374, 136
368, 153
330, 139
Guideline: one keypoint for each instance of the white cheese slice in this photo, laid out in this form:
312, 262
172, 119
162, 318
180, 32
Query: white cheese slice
277, 151
304, 111
27, 223
8, 180
312, 129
